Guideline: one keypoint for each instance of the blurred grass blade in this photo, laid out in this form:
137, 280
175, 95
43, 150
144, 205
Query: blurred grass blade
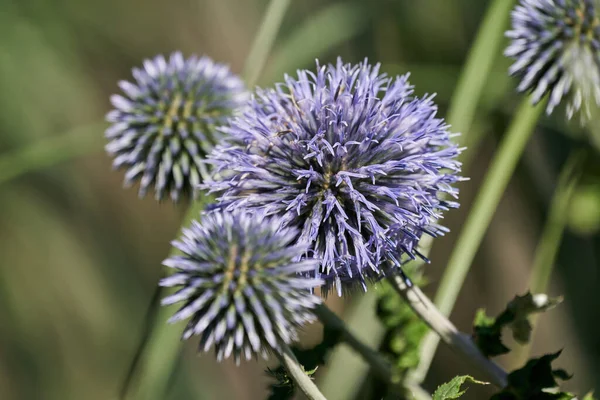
156, 355
318, 34
50, 151
264, 40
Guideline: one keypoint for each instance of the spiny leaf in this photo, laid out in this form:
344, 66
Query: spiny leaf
535, 381
488, 331
487, 335
521, 307
452, 390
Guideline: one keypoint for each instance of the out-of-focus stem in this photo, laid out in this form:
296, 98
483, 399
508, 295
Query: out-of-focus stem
477, 68
380, 366
264, 40
549, 244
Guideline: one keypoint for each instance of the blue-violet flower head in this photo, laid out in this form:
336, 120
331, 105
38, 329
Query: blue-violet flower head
342, 154
556, 48
242, 285
164, 123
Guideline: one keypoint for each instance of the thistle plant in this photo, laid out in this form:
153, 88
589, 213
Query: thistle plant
164, 123
556, 47
344, 154
329, 180
241, 284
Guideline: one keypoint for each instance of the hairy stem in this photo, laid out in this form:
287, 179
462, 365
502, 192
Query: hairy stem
297, 373
458, 341
500, 171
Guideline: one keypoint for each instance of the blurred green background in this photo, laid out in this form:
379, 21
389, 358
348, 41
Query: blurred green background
80, 256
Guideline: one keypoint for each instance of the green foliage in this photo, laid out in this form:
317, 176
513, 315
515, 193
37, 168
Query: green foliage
404, 330
535, 381
453, 389
284, 387
487, 331
589, 396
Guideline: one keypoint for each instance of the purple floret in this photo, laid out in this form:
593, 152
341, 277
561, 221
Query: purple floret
343, 155
243, 287
556, 48
164, 123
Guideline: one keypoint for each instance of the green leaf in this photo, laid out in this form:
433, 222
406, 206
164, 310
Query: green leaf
487, 331
452, 389
488, 336
535, 381
589, 396
521, 307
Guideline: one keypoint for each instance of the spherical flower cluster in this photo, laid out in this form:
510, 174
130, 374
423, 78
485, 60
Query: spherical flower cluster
556, 47
164, 123
342, 154
242, 285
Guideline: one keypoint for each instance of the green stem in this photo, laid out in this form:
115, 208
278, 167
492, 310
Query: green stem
547, 249
549, 244
296, 371
50, 151
494, 184
150, 375
158, 351
478, 66
264, 40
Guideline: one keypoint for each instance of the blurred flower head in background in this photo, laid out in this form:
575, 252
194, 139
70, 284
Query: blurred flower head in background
241, 283
341, 154
164, 123
556, 47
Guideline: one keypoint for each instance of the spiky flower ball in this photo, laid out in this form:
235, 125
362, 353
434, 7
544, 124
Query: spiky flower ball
342, 154
556, 47
164, 123
242, 285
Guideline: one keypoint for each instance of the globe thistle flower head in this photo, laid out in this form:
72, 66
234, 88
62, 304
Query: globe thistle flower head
556, 47
341, 154
164, 122
242, 285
